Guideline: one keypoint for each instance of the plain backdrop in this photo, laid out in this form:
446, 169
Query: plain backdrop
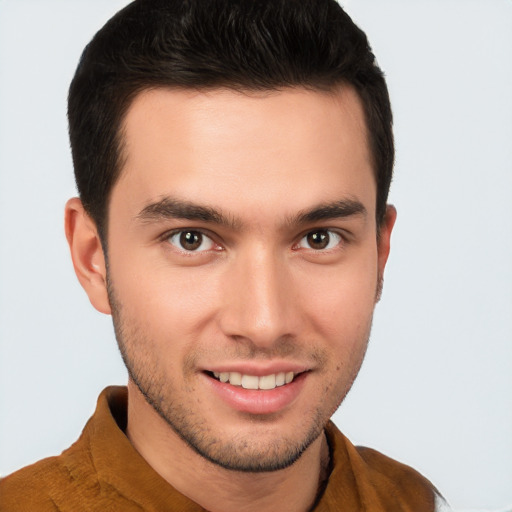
436, 388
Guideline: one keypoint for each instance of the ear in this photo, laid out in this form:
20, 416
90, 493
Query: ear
87, 254
384, 244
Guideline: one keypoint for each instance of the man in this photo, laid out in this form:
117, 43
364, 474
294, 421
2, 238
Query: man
233, 160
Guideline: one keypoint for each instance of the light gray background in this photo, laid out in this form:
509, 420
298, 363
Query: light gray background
435, 390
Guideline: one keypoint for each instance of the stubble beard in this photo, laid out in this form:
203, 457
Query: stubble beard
241, 452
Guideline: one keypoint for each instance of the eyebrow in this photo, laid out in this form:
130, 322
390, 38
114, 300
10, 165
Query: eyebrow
336, 210
171, 208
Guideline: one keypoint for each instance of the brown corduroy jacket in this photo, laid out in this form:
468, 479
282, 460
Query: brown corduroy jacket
103, 472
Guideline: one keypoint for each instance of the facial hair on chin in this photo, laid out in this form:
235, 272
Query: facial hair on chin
238, 453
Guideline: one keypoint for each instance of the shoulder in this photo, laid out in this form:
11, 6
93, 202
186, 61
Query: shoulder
31, 488
400, 480
379, 480
54, 484
81, 478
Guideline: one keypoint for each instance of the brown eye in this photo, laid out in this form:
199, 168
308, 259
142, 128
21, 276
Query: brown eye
191, 241
320, 239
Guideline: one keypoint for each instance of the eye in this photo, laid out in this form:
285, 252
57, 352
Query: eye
320, 239
191, 241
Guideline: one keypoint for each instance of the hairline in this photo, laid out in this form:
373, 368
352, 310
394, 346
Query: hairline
120, 134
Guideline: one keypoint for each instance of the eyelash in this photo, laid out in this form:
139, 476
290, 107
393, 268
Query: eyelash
339, 239
167, 237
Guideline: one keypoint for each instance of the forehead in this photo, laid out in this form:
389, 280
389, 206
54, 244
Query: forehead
257, 146
203, 116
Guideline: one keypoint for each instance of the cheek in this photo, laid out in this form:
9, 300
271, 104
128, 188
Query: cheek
167, 301
341, 301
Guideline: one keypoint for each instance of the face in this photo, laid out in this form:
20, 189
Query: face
244, 265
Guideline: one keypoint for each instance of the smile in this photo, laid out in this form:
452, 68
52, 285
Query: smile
265, 382
263, 393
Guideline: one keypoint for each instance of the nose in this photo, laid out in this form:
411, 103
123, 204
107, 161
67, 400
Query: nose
258, 305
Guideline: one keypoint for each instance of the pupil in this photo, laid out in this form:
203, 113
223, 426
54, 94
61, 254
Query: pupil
190, 240
318, 239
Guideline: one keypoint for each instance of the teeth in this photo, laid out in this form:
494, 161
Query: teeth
267, 382
235, 378
280, 379
249, 382
253, 382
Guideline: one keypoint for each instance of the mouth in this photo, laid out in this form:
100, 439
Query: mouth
260, 394
264, 382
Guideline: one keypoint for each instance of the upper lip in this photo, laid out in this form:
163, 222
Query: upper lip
259, 370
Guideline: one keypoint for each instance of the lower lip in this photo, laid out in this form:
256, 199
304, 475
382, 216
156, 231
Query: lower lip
255, 401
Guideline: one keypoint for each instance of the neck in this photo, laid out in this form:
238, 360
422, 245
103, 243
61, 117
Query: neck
294, 489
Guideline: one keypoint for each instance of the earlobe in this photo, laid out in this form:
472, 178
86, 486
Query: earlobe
87, 254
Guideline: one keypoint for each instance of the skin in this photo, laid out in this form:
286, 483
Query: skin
258, 295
